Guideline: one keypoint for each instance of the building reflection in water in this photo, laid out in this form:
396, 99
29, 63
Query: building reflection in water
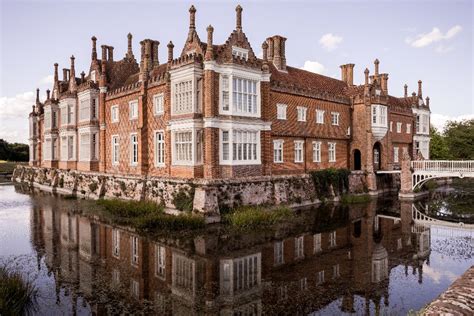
337, 254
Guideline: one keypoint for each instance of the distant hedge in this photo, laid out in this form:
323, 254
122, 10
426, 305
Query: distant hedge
13, 152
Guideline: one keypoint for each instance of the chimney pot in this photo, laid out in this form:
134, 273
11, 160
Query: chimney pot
104, 52
94, 48
110, 50
420, 94
405, 88
83, 76
37, 95
366, 72
129, 54
376, 63
56, 73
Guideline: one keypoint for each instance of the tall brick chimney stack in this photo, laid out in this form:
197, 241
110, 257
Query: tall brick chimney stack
347, 74
56, 77
104, 52
155, 45
110, 50
148, 53
265, 56
343, 73
366, 73
37, 95
384, 82
83, 77
405, 88
209, 48
94, 48
420, 94
238, 18
376, 63
192, 22
129, 54
72, 76
170, 51
277, 42
48, 93
65, 77
270, 48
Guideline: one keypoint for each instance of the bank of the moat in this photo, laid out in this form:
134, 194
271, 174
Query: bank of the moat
331, 259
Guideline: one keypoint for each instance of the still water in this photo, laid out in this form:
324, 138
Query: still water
363, 259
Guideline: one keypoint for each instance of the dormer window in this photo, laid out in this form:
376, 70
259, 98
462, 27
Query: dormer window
240, 52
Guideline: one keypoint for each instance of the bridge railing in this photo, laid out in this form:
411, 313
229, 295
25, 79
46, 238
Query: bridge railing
443, 165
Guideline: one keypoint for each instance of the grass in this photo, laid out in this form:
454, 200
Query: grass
251, 217
148, 216
355, 199
17, 296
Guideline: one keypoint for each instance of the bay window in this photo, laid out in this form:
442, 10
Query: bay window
225, 92
299, 150
88, 146
47, 119
187, 146
239, 95
278, 150
64, 148
240, 146
183, 142
183, 97
84, 148
84, 109
379, 115
70, 144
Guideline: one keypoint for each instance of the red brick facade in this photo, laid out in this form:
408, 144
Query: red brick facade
211, 92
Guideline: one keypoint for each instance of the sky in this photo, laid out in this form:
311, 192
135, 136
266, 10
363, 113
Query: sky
430, 41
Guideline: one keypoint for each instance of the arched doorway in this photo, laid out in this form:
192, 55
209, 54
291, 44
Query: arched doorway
377, 156
357, 160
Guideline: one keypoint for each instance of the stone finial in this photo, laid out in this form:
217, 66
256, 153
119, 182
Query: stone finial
265, 51
72, 75
376, 63
427, 101
405, 89
209, 49
366, 73
37, 95
170, 51
48, 93
420, 94
129, 54
83, 76
94, 47
192, 17
238, 18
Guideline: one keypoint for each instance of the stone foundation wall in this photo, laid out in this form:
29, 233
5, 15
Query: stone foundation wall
208, 196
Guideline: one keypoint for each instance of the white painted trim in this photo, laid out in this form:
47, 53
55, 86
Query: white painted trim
115, 163
232, 162
156, 164
251, 125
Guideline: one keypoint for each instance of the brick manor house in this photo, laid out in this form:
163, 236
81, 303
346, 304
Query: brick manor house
219, 111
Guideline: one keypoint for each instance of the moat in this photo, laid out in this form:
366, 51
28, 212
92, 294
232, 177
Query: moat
368, 258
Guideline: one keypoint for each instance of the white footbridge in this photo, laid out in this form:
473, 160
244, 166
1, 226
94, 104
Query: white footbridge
445, 228
424, 170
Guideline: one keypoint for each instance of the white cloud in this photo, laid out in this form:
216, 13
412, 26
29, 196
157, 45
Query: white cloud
330, 41
443, 49
439, 120
314, 66
17, 106
48, 80
425, 39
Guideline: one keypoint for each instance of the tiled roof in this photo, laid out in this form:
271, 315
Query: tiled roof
308, 80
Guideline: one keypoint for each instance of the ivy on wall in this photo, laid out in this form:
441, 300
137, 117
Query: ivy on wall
324, 180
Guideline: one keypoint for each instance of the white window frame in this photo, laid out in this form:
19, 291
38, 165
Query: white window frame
408, 128
317, 245
278, 150
160, 261
85, 146
115, 150
278, 253
391, 126
114, 113
379, 115
160, 146
332, 152
335, 118
299, 247
320, 116
335, 271
301, 113
134, 247
234, 134
133, 144
317, 146
395, 154
115, 243
332, 239
281, 111
158, 104
133, 110
320, 280
299, 151
399, 127
240, 52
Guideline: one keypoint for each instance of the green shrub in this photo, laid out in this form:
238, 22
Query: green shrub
324, 179
354, 199
93, 186
161, 221
183, 200
17, 296
257, 216
129, 209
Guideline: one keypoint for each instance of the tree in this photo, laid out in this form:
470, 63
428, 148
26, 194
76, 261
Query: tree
13, 152
438, 147
459, 138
